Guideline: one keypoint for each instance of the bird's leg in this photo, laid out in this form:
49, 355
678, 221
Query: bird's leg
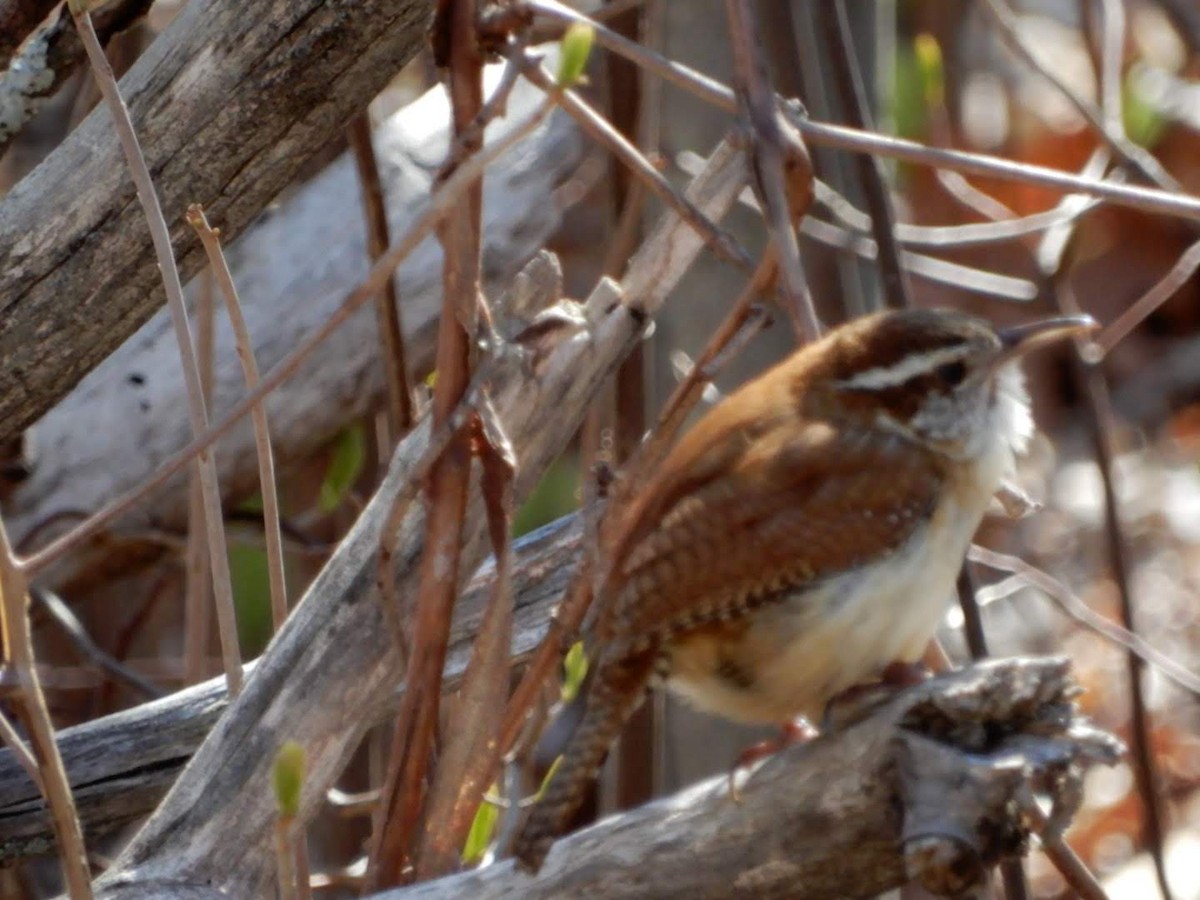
795, 731
857, 701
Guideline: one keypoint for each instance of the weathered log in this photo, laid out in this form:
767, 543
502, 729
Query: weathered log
931, 788
228, 107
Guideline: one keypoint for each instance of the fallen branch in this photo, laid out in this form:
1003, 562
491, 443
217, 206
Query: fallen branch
121, 765
229, 107
930, 788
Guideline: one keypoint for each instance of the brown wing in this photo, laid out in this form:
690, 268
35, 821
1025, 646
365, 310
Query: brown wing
791, 506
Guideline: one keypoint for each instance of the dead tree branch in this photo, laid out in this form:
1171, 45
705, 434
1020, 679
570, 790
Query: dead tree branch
228, 107
930, 789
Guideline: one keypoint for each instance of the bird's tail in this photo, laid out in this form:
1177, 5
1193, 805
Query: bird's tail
618, 690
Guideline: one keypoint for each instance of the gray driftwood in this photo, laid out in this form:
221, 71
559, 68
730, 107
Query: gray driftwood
930, 788
228, 106
293, 268
120, 766
334, 665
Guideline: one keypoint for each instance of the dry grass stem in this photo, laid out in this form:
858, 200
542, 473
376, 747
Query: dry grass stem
197, 576
161, 238
19, 661
211, 240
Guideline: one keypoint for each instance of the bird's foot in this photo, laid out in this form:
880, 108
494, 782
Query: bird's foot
857, 702
796, 731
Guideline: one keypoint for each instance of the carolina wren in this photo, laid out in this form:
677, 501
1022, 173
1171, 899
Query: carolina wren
806, 533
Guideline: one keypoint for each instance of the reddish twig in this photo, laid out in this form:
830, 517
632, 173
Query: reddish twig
395, 835
391, 335
468, 764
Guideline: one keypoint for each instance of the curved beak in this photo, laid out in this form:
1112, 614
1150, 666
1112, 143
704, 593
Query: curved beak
1020, 339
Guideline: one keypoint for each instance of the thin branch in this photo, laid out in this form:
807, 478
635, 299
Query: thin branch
595, 124
848, 75
1138, 159
1134, 314
468, 764
11, 739
161, 238
855, 140
66, 619
1101, 419
272, 532
441, 202
20, 662
391, 336
394, 839
1073, 606
782, 171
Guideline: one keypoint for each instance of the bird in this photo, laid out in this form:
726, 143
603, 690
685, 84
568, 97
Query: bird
806, 534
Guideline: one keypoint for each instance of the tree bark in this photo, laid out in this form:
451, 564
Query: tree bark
930, 788
228, 107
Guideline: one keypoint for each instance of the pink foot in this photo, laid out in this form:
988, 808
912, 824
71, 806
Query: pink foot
797, 731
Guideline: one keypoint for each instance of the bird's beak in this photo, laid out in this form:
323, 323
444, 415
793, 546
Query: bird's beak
1020, 339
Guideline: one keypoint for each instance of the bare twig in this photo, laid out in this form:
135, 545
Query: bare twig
857, 141
20, 662
1101, 419
1073, 606
272, 532
394, 840
66, 619
1133, 315
391, 336
11, 739
848, 76
440, 203
469, 763
782, 170
596, 125
1109, 131
159, 234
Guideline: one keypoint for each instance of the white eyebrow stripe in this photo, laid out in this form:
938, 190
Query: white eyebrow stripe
906, 369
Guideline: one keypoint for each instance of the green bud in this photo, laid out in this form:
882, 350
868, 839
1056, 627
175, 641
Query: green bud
288, 778
573, 53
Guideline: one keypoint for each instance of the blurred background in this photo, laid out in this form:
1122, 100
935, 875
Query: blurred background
950, 74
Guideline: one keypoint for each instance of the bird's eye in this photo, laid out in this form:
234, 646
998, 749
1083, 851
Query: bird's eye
952, 373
